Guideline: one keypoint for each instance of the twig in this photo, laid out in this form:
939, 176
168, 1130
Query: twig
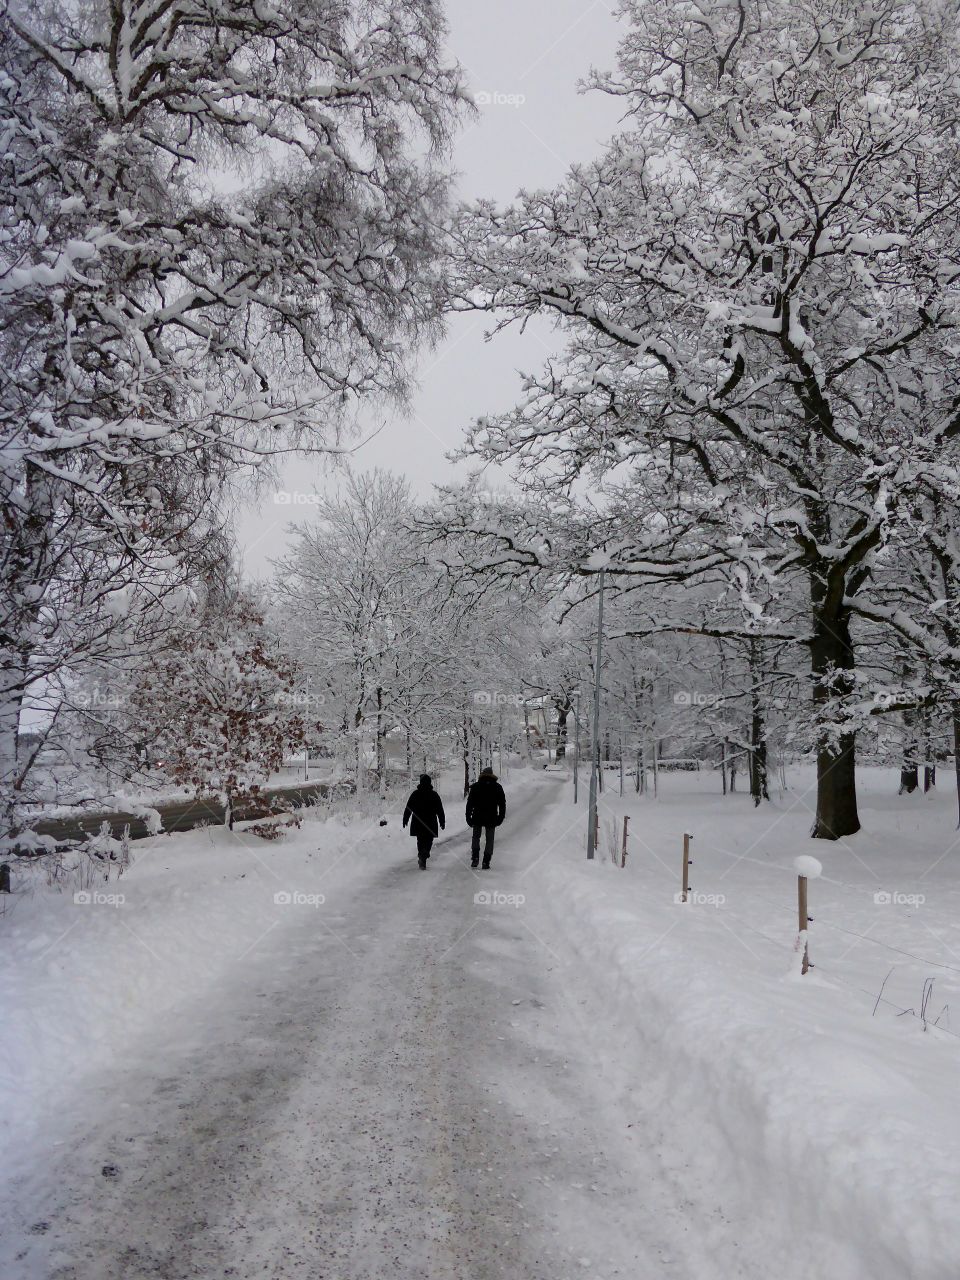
880, 996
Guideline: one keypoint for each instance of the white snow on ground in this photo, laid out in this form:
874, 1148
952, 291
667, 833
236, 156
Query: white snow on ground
573, 1076
804, 1104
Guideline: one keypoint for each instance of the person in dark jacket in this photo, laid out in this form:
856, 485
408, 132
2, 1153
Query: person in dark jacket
424, 812
486, 810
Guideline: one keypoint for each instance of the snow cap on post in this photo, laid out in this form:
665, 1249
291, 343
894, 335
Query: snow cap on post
806, 865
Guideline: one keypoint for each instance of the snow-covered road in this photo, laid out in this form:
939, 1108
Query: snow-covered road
403, 1082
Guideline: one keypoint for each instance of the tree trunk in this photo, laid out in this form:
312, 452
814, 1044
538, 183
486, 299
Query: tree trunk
358, 746
837, 791
928, 753
13, 681
909, 777
29, 569
758, 745
758, 760
832, 662
381, 747
909, 770
563, 711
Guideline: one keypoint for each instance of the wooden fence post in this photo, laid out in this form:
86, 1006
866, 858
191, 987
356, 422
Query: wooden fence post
686, 864
4, 877
623, 848
807, 868
803, 921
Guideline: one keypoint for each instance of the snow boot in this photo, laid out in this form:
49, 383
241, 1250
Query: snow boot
474, 862
422, 863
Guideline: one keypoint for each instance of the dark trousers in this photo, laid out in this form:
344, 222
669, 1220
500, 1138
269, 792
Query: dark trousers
487, 847
424, 845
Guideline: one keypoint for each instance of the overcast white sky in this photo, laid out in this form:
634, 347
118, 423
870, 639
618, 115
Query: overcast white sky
532, 52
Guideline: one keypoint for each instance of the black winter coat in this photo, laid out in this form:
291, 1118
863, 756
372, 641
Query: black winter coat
424, 812
486, 803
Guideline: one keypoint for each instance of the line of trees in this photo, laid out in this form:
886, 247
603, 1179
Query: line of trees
218, 233
760, 395
222, 233
390, 644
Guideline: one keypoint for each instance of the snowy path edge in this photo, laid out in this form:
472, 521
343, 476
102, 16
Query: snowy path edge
779, 1132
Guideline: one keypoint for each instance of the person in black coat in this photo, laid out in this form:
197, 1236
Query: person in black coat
424, 812
486, 810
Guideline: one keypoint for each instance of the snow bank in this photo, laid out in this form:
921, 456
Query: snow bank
800, 1103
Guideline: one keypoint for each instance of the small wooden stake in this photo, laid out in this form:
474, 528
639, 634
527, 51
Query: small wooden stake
623, 848
803, 920
4, 877
686, 864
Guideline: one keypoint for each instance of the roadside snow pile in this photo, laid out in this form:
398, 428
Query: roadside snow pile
793, 1094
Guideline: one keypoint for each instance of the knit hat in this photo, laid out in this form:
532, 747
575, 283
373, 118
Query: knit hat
426, 780
487, 773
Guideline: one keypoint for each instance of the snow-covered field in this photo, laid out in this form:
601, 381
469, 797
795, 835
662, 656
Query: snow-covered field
379, 1074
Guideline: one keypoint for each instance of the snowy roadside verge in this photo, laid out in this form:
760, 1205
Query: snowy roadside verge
785, 1093
85, 976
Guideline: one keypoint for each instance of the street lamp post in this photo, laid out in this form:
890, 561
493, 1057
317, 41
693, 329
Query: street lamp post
576, 748
595, 743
